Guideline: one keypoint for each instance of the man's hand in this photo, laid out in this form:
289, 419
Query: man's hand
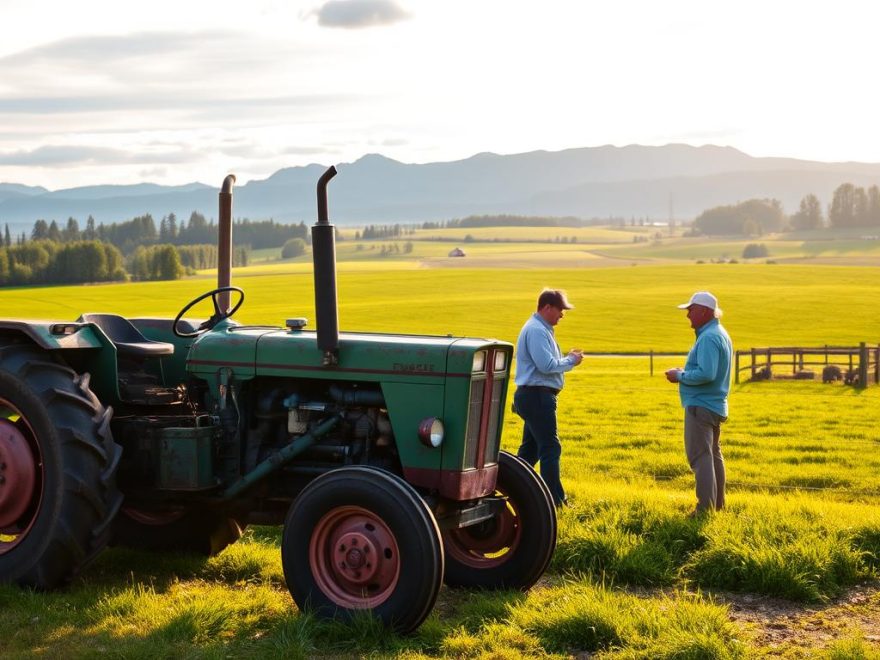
673, 375
576, 356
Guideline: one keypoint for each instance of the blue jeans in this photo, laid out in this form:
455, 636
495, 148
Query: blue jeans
540, 441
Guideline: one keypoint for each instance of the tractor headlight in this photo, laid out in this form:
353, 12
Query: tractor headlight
431, 432
479, 361
500, 361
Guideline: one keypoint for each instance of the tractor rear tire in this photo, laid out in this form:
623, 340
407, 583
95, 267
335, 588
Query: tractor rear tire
197, 531
513, 549
359, 538
58, 465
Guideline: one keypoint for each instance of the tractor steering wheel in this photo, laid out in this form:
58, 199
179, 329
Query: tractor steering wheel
218, 315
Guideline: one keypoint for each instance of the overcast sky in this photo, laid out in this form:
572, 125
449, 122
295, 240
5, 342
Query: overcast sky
100, 92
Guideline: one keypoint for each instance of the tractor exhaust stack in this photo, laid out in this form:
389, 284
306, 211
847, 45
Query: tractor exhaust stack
324, 255
224, 248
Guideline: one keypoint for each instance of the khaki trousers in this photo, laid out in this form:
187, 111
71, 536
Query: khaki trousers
702, 444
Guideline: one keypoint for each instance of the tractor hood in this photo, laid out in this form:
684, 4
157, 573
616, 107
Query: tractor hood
253, 352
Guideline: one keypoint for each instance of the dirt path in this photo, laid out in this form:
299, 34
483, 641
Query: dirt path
795, 631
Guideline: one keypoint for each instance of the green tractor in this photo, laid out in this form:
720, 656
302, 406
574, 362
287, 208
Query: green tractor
378, 453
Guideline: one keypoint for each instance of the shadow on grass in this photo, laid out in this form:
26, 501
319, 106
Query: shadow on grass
132, 604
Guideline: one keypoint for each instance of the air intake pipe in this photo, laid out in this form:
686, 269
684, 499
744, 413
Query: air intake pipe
224, 244
324, 255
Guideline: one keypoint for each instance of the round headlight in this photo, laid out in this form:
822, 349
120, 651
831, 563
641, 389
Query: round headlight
431, 432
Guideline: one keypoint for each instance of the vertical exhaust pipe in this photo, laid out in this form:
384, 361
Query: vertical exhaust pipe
224, 243
324, 256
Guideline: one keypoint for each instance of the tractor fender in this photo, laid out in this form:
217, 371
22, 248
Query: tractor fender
53, 335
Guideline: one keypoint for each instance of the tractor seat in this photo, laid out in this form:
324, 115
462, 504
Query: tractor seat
128, 339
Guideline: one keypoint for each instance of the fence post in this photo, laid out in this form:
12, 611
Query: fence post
736, 357
753, 364
651, 358
863, 365
877, 365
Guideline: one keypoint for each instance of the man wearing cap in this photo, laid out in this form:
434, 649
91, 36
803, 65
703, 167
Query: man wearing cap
540, 366
703, 385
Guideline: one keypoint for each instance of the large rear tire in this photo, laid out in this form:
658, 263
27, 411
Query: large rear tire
513, 549
57, 469
359, 538
198, 531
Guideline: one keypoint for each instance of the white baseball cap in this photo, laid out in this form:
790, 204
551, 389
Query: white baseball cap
705, 299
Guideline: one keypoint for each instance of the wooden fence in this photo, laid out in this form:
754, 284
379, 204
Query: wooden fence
858, 365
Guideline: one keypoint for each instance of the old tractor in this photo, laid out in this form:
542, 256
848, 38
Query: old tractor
379, 453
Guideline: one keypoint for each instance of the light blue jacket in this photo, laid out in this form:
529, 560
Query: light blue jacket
538, 358
705, 380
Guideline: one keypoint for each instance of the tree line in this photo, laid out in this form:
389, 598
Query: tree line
77, 262
851, 206
142, 230
134, 249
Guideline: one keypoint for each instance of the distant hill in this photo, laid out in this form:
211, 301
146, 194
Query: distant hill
589, 182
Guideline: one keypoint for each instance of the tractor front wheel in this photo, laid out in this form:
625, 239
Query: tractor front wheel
57, 469
513, 549
359, 538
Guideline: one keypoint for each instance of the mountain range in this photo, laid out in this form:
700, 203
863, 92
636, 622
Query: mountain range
675, 180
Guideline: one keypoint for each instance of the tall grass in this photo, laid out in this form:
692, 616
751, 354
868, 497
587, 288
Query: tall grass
632, 576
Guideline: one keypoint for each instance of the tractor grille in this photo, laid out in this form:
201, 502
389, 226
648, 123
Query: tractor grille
484, 412
493, 433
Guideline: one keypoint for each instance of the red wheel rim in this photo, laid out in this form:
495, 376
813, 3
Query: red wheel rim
21, 477
488, 544
354, 558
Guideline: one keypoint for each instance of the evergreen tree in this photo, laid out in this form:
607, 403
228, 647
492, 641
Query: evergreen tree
54, 233
40, 231
90, 233
71, 231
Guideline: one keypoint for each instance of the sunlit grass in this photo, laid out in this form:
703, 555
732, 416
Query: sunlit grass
616, 309
803, 516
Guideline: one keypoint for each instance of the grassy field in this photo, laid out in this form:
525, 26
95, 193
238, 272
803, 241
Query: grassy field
617, 309
632, 576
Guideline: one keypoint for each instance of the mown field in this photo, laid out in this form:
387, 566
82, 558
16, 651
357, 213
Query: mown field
632, 576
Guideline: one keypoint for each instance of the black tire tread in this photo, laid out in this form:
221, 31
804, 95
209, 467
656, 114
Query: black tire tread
420, 514
86, 483
529, 562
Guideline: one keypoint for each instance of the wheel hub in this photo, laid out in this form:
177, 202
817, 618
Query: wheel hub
18, 474
356, 558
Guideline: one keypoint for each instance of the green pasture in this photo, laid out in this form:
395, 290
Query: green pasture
601, 246
617, 309
535, 234
633, 577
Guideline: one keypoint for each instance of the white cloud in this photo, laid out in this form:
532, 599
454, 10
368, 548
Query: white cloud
355, 14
